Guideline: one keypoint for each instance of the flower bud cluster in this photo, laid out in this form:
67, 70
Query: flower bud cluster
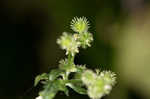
100, 84
82, 38
64, 65
85, 39
68, 42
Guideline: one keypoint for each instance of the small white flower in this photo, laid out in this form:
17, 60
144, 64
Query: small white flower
109, 77
88, 77
69, 43
94, 92
39, 97
107, 89
85, 38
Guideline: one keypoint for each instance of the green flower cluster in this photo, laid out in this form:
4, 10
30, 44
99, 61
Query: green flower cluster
82, 38
98, 84
69, 43
64, 65
77, 77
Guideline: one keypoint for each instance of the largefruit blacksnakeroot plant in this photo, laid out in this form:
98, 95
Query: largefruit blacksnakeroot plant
82, 80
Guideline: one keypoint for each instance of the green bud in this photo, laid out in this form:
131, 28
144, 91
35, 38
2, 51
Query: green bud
85, 39
109, 77
64, 65
79, 24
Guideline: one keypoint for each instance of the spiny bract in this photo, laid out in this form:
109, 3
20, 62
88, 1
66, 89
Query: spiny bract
79, 24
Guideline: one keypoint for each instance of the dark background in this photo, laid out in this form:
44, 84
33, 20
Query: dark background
28, 33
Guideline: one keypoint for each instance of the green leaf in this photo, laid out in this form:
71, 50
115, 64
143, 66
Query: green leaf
48, 94
77, 89
52, 87
43, 76
76, 82
80, 70
60, 86
66, 91
49, 91
54, 74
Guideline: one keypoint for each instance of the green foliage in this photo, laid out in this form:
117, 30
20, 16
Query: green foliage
76, 88
98, 84
85, 81
43, 76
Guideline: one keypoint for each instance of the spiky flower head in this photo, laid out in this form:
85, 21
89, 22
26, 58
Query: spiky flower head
99, 83
79, 25
68, 43
96, 90
109, 77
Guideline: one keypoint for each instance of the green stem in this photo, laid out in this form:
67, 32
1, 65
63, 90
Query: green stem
70, 59
70, 62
